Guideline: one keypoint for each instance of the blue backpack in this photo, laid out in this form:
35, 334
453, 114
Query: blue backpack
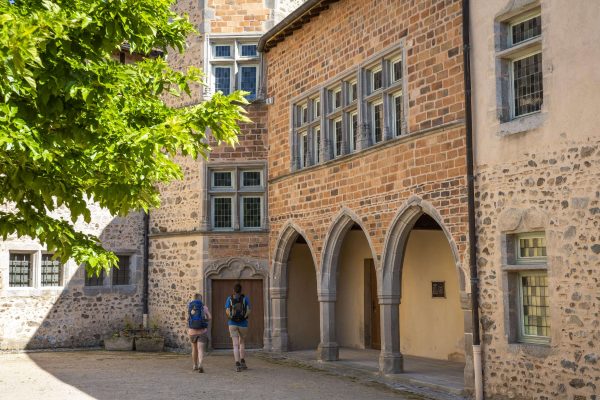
196, 319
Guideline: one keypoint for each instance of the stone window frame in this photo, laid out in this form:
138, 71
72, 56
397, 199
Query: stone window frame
35, 251
512, 270
237, 191
235, 62
356, 77
107, 281
506, 54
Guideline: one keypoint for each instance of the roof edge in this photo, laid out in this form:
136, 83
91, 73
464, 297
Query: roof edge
298, 18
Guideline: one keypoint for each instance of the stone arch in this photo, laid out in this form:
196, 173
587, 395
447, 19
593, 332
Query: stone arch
239, 268
286, 239
397, 238
343, 222
278, 291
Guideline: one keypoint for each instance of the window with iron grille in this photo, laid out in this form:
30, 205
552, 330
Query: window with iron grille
237, 204
51, 273
94, 280
120, 276
20, 270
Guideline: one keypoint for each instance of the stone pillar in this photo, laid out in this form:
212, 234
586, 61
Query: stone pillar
279, 333
328, 348
390, 358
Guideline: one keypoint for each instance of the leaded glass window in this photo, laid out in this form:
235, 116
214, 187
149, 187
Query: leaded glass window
528, 84
19, 270
51, 273
120, 276
531, 247
248, 81
222, 51
248, 50
535, 316
353, 131
223, 80
222, 212
397, 114
317, 139
222, 179
376, 80
251, 210
525, 30
377, 119
304, 149
337, 131
396, 70
251, 178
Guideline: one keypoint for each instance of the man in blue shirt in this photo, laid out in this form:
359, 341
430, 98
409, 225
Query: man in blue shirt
237, 308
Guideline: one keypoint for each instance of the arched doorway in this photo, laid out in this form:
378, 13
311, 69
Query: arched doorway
293, 293
348, 287
421, 267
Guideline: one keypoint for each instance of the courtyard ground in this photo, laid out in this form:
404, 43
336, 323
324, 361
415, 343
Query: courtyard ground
105, 375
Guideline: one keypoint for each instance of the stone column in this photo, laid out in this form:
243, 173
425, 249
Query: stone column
390, 358
328, 348
279, 333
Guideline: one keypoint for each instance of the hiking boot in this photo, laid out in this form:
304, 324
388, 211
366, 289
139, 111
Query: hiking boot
200, 370
238, 367
243, 364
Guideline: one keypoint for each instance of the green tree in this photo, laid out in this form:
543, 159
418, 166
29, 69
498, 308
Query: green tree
78, 126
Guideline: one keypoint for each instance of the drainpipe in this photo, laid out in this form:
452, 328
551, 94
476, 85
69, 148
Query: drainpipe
477, 366
145, 279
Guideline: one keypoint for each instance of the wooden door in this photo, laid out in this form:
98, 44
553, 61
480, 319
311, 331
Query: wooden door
375, 322
223, 288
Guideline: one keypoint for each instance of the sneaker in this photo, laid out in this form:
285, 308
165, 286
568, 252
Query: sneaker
238, 367
200, 370
243, 364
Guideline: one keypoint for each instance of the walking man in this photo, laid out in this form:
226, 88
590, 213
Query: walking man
198, 317
237, 309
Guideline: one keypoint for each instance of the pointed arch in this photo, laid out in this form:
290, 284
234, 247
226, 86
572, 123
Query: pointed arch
397, 239
343, 222
286, 239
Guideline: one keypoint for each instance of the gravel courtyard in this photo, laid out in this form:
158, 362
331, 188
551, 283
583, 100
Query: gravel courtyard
110, 375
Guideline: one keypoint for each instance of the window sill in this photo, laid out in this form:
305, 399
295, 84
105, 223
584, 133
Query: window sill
521, 48
32, 291
521, 125
120, 289
524, 267
541, 350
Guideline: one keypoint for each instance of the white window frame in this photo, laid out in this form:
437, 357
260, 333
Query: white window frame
303, 111
261, 208
375, 69
334, 104
213, 213
231, 77
393, 61
316, 108
222, 188
241, 44
260, 187
214, 51
256, 78
519, 260
522, 337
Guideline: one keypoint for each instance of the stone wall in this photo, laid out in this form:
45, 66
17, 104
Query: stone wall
557, 192
72, 315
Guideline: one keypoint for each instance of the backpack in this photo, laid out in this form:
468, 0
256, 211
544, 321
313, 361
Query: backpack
237, 308
196, 318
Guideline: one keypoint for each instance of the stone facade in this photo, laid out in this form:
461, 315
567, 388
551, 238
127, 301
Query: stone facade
72, 314
540, 173
383, 188
182, 241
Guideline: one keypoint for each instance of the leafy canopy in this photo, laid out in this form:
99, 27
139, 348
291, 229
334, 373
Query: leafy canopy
77, 126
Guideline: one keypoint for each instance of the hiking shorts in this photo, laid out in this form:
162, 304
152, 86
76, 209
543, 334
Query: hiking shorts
202, 338
237, 331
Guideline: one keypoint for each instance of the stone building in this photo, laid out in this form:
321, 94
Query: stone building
537, 172
212, 227
367, 182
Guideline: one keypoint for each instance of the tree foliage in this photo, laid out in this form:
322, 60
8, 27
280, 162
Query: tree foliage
77, 126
